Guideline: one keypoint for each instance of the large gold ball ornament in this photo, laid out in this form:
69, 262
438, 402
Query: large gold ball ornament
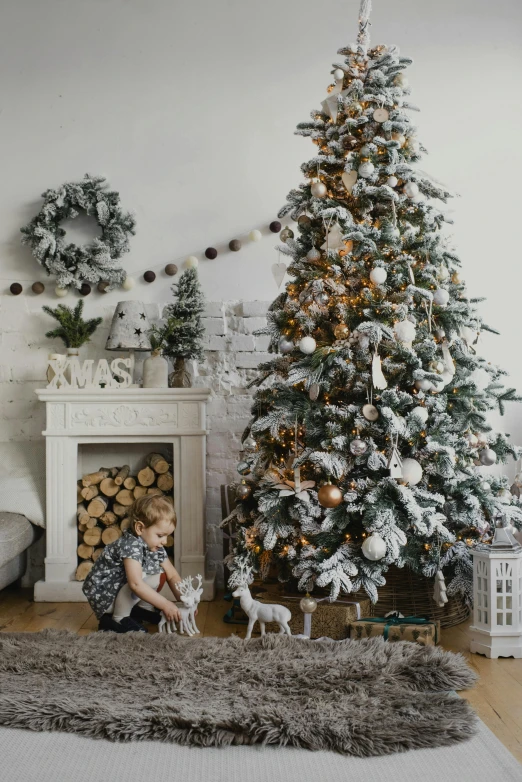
341, 331
318, 189
329, 496
308, 604
400, 138
243, 491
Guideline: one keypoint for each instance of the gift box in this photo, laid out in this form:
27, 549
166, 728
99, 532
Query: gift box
397, 628
331, 619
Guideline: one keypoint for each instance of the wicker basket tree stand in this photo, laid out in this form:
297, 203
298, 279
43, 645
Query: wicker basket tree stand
412, 595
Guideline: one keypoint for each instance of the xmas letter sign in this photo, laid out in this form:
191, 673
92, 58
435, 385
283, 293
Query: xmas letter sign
86, 375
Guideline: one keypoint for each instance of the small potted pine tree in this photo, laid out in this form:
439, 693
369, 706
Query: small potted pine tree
183, 333
73, 330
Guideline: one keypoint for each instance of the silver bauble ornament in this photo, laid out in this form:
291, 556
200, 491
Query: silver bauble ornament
286, 234
286, 345
308, 604
358, 447
487, 457
249, 444
307, 345
243, 468
374, 547
314, 254
370, 412
318, 189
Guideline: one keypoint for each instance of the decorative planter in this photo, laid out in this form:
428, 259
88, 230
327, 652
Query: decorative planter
155, 371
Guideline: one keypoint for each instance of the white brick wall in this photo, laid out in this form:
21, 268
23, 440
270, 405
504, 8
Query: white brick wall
232, 355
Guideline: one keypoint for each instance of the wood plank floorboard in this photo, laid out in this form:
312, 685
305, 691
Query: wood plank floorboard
497, 697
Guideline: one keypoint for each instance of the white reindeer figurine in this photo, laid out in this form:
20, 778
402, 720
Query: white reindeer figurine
260, 612
190, 598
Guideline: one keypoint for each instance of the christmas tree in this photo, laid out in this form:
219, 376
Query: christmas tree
183, 336
370, 425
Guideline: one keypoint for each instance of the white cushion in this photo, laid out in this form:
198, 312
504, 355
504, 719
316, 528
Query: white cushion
22, 479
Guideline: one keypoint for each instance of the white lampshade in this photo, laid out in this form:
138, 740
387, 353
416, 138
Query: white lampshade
129, 328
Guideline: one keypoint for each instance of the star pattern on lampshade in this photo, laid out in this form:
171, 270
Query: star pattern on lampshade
137, 332
143, 316
121, 315
130, 327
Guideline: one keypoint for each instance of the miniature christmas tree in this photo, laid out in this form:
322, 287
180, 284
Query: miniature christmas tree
369, 428
182, 336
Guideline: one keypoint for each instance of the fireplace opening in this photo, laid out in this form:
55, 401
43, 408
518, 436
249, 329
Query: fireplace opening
110, 477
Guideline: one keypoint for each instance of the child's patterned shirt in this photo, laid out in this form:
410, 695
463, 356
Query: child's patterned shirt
108, 574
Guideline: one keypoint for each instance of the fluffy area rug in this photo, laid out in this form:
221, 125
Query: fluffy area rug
360, 698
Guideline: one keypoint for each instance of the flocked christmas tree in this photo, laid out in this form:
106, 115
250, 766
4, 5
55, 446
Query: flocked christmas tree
369, 431
183, 331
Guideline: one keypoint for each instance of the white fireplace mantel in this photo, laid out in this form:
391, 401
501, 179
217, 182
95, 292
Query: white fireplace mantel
176, 416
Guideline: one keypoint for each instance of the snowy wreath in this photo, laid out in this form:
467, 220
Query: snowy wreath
93, 262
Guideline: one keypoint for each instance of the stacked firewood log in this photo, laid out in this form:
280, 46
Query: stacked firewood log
105, 498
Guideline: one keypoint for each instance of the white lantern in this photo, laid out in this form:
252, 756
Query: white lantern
497, 592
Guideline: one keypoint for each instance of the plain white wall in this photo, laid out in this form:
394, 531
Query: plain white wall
190, 108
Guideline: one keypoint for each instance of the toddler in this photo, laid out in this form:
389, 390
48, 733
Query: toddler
131, 569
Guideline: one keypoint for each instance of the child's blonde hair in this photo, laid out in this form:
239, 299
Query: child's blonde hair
150, 509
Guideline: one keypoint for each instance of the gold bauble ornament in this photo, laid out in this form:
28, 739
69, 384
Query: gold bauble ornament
341, 331
308, 604
399, 137
243, 491
329, 496
455, 278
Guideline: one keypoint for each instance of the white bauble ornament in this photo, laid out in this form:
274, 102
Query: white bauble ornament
411, 189
374, 547
411, 471
307, 345
472, 439
370, 412
421, 413
505, 496
318, 189
314, 254
423, 385
395, 233
482, 438
392, 181
366, 169
486, 486
338, 74
401, 81
255, 235
191, 262
442, 273
404, 331
480, 379
441, 297
286, 345
400, 138
378, 275
381, 115
61, 292
487, 457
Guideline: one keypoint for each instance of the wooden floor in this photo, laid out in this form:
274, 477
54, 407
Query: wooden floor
497, 698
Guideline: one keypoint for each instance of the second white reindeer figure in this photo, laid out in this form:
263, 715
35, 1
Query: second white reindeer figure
190, 598
260, 612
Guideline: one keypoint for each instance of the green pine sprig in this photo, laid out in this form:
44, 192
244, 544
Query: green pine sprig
73, 330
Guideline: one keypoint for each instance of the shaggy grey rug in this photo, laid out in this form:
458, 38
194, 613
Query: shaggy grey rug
355, 697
